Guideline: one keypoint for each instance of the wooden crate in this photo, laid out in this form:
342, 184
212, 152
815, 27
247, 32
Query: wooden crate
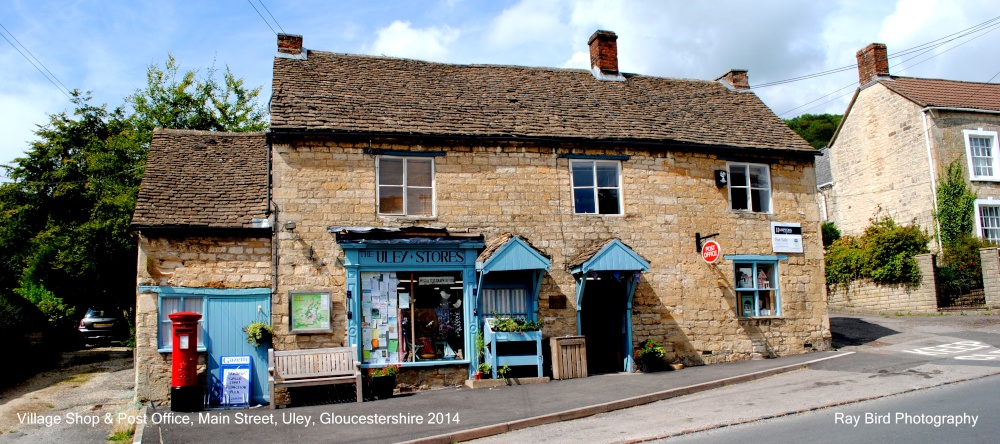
569, 357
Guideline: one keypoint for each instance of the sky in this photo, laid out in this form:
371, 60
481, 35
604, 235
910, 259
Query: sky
105, 46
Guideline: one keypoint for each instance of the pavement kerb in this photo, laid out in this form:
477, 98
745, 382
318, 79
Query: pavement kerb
139, 428
803, 410
582, 412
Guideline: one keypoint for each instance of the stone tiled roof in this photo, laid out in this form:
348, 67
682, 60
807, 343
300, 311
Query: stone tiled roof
345, 93
585, 254
203, 179
498, 241
947, 93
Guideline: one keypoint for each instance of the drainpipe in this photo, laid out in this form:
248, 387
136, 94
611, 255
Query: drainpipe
274, 226
930, 169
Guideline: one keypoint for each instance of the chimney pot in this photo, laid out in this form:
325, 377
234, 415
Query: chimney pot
604, 51
873, 62
736, 78
289, 44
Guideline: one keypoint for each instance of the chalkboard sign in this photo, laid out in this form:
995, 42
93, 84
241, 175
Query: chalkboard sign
237, 376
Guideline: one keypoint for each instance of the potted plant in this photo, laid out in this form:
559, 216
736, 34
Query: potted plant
649, 356
484, 371
258, 333
383, 380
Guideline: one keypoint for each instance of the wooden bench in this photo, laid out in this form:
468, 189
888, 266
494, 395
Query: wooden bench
315, 366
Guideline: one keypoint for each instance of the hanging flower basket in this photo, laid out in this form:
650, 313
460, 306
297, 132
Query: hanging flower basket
258, 333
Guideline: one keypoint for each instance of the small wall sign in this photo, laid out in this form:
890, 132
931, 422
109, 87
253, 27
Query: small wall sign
711, 251
721, 178
786, 237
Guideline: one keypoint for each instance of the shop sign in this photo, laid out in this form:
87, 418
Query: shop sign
435, 280
786, 237
711, 251
412, 257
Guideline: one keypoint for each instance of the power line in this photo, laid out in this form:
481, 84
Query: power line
272, 16
50, 77
262, 17
919, 49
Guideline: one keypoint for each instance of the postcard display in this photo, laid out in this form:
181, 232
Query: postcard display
387, 300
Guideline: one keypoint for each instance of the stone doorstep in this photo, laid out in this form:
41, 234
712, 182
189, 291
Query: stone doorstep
493, 383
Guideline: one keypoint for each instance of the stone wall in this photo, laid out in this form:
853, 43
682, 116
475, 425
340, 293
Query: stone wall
866, 296
668, 196
879, 159
991, 275
194, 262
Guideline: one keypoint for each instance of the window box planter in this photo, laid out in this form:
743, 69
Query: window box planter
492, 338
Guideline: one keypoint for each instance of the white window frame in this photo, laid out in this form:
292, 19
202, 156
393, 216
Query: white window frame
405, 159
994, 154
596, 188
749, 187
980, 203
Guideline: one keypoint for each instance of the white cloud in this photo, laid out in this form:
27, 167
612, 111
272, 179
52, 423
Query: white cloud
399, 39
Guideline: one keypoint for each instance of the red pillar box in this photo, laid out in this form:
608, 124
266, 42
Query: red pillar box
184, 393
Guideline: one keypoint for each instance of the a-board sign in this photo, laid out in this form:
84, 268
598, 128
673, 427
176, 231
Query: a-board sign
236, 373
711, 251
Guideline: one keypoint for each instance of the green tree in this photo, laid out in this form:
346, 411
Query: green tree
64, 217
817, 129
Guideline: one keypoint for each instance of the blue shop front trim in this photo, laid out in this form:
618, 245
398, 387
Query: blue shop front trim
410, 295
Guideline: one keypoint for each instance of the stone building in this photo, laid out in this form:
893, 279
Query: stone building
411, 200
896, 140
204, 246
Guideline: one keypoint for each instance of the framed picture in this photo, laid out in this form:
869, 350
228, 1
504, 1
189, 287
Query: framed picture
746, 305
309, 312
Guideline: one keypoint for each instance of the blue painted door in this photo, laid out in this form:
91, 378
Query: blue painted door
225, 337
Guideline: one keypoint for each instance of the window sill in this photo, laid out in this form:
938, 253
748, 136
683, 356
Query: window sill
599, 215
984, 179
760, 320
397, 217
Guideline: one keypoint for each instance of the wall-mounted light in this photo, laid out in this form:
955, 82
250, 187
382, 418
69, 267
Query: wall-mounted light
290, 225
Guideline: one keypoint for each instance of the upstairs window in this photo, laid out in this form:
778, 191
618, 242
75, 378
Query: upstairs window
988, 219
596, 186
981, 150
749, 187
405, 186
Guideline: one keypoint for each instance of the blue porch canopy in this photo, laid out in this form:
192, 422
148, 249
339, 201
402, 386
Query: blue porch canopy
611, 256
510, 252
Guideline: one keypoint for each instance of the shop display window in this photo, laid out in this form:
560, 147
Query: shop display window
411, 317
757, 289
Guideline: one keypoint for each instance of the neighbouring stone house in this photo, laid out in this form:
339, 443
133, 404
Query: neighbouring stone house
410, 200
896, 139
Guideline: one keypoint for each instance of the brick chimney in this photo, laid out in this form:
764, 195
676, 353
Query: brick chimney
873, 62
289, 44
736, 78
604, 52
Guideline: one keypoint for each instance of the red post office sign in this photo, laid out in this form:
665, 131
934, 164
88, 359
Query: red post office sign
711, 251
